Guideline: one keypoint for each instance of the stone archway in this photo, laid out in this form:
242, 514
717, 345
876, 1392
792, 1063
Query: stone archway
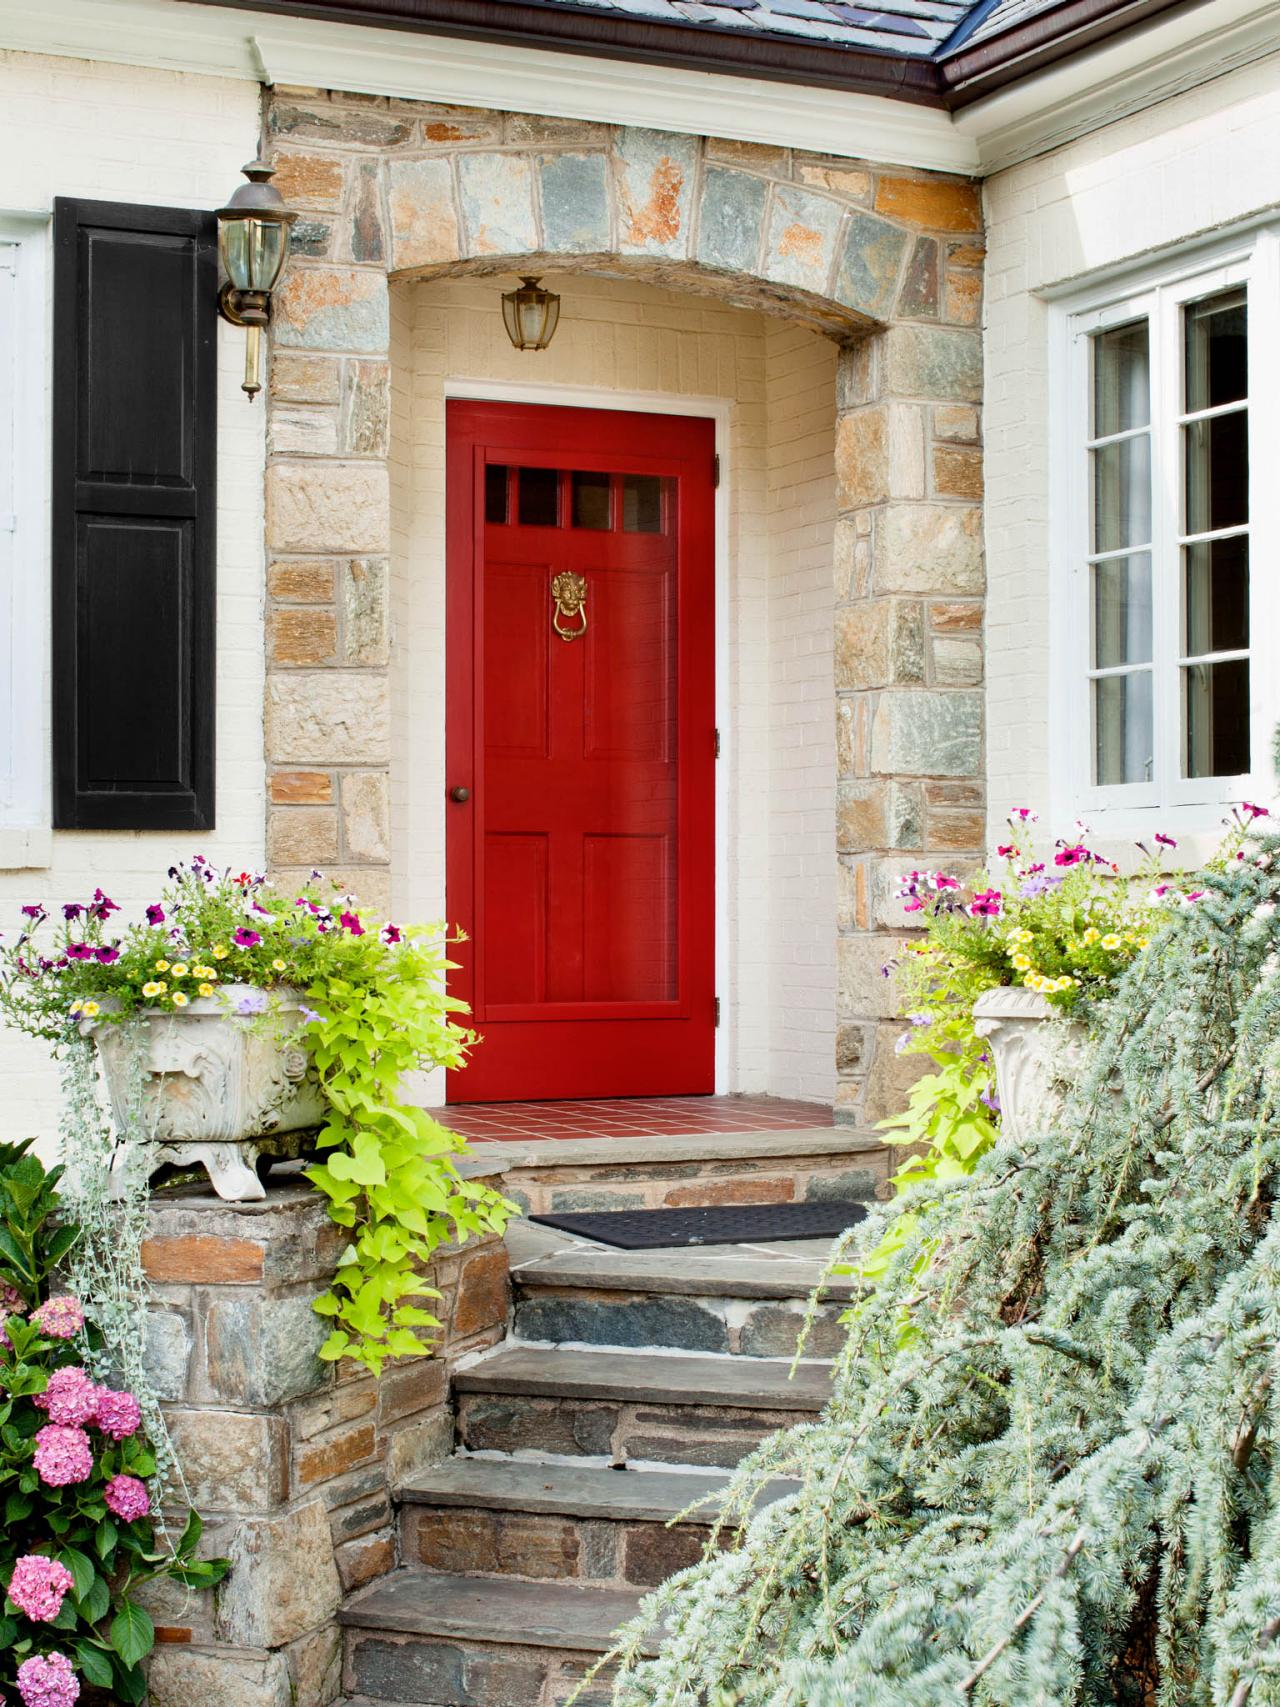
886, 264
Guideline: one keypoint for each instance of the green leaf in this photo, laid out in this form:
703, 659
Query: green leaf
97, 1603
82, 1568
133, 1634
94, 1663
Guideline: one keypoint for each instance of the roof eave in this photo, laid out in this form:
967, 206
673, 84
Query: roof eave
972, 73
615, 36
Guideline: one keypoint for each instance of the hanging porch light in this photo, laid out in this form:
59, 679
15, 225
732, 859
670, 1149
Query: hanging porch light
253, 241
530, 314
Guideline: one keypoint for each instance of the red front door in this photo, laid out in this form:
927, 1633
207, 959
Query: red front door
581, 749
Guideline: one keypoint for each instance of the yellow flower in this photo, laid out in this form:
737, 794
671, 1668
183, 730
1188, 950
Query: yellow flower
1092, 935
1022, 962
179, 971
75, 1007
1111, 942
206, 989
278, 965
1130, 936
1143, 941
203, 972
219, 952
89, 1009
156, 987
1020, 936
1063, 983
162, 965
180, 999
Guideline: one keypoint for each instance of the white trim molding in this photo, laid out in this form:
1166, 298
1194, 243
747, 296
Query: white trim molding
1157, 295
26, 838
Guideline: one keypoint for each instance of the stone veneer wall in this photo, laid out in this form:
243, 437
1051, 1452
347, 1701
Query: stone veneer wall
291, 1462
887, 263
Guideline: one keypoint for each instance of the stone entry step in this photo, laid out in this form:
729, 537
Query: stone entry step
454, 1641
628, 1406
561, 1522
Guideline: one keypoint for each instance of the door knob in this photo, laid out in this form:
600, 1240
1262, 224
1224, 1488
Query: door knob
460, 795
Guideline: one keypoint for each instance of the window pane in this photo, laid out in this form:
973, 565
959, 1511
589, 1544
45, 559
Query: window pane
1216, 337
1122, 494
590, 500
539, 492
1122, 611
1217, 453
1216, 709
1121, 380
641, 503
1122, 728
1217, 595
495, 492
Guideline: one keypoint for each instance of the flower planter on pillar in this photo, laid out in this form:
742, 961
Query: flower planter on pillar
1035, 1053
220, 1089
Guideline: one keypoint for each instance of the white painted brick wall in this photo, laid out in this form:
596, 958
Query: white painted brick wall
622, 336
122, 133
1141, 186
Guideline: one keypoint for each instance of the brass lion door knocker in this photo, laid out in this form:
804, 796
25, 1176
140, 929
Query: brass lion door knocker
569, 597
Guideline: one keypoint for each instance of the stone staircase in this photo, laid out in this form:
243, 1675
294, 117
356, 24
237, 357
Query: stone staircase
630, 1385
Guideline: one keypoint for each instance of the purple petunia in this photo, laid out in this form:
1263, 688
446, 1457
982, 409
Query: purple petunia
252, 1002
985, 904
245, 938
71, 910
34, 910
80, 951
351, 922
155, 914
106, 955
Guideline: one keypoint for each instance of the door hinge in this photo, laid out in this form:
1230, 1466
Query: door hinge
717, 734
717, 1010
715, 470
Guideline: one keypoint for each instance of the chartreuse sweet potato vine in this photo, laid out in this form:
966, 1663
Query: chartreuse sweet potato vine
1063, 1489
378, 1011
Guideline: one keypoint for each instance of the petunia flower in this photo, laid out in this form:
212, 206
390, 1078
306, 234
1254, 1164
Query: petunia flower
390, 935
1165, 841
986, 904
1245, 806
155, 914
1008, 851
34, 910
71, 910
245, 938
105, 956
351, 922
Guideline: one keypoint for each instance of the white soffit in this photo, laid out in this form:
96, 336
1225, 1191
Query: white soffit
1133, 71
229, 42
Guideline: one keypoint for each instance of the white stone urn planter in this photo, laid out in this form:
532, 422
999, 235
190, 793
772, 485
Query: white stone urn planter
221, 1089
1036, 1053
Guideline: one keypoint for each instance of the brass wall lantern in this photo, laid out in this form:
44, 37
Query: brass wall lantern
530, 314
253, 241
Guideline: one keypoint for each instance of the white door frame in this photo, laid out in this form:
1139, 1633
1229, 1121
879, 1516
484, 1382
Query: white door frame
716, 409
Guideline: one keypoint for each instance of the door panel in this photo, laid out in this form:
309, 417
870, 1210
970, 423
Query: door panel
581, 862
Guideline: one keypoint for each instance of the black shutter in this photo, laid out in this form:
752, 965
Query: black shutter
134, 465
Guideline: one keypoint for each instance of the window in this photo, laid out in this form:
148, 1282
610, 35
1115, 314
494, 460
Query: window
1168, 710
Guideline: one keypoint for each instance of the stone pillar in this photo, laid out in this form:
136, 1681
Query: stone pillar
908, 660
291, 1462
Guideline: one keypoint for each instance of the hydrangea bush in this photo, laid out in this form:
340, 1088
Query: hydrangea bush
376, 1010
78, 1537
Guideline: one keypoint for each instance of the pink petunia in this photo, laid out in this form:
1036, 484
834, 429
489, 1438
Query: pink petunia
1008, 851
1245, 806
940, 880
986, 904
245, 938
351, 922
1074, 855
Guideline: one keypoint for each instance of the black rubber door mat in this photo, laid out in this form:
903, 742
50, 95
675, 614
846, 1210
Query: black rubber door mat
733, 1224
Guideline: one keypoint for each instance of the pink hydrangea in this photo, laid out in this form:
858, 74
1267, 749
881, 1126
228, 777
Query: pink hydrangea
59, 1318
127, 1497
47, 1680
63, 1455
118, 1414
71, 1398
38, 1585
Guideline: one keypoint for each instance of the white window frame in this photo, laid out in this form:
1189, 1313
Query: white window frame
1158, 294
26, 838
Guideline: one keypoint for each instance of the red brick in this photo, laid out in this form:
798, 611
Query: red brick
327, 1458
484, 1292
198, 1259
751, 1190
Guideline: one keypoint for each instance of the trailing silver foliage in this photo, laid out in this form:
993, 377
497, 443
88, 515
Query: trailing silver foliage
1064, 1487
107, 1191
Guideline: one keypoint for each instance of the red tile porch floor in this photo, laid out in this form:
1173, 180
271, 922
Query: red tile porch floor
630, 1117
